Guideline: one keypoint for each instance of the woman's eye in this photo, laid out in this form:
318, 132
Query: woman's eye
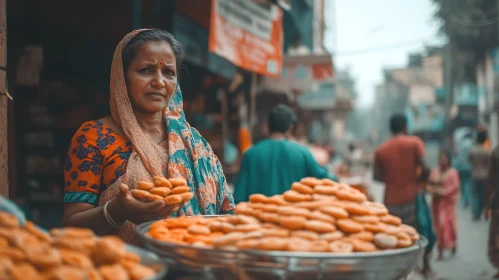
145, 70
169, 72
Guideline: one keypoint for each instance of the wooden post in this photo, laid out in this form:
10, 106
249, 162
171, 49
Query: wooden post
4, 166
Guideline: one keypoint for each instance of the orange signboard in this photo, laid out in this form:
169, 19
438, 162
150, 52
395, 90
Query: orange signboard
248, 35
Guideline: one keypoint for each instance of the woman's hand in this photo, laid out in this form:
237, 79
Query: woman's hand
125, 207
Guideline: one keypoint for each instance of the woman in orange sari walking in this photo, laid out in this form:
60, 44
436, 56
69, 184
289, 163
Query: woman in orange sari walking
444, 186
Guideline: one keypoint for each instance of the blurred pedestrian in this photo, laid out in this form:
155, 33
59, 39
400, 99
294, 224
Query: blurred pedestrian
443, 184
273, 164
463, 144
492, 208
479, 159
396, 163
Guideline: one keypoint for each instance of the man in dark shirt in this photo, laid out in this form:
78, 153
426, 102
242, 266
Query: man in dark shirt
492, 211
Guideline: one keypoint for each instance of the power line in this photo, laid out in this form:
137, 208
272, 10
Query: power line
386, 47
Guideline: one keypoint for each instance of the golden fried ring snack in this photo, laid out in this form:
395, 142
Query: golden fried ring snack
340, 247
272, 208
85, 245
181, 189
173, 199
301, 188
363, 246
318, 215
277, 200
296, 244
349, 226
408, 229
367, 219
14, 254
310, 181
385, 241
154, 197
393, 230
363, 235
162, 182
247, 227
228, 239
33, 229
305, 234
328, 182
258, 198
292, 223
243, 219
294, 196
108, 250
226, 227
187, 196
199, 230
332, 236
357, 209
23, 271
334, 211
161, 191
132, 257
75, 259
113, 272
141, 194
391, 220
145, 186
319, 226
273, 244
325, 190
321, 197
44, 257
320, 246
137, 271
275, 232
248, 244
293, 211
351, 195
8, 220
72, 232
178, 182
269, 217
374, 228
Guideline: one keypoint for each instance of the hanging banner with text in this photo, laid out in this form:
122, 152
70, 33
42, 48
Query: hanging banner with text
248, 35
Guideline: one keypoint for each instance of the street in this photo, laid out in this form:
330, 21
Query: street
471, 261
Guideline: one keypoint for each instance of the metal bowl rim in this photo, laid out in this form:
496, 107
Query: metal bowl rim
422, 243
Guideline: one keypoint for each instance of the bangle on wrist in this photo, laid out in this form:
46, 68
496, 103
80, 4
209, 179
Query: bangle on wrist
109, 219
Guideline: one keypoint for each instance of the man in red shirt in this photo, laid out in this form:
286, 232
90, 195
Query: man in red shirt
396, 163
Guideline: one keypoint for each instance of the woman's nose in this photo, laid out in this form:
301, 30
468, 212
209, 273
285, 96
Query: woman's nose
158, 82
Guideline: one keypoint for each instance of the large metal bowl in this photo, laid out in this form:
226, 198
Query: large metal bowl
250, 264
151, 260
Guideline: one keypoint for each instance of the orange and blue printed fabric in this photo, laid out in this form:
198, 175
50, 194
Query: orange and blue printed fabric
98, 157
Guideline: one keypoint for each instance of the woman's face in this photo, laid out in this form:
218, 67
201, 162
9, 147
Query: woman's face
443, 161
151, 77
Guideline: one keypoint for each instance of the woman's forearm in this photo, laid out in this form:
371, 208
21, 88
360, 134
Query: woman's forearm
94, 219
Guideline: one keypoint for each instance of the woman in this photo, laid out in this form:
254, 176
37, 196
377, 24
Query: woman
146, 135
444, 186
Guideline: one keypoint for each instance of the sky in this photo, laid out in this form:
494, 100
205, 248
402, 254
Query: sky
368, 36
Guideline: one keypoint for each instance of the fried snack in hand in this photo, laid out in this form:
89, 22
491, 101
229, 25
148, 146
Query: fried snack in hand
178, 182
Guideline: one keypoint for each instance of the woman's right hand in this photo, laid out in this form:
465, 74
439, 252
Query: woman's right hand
126, 207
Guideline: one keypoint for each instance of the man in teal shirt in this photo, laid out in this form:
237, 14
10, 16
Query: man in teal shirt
273, 164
